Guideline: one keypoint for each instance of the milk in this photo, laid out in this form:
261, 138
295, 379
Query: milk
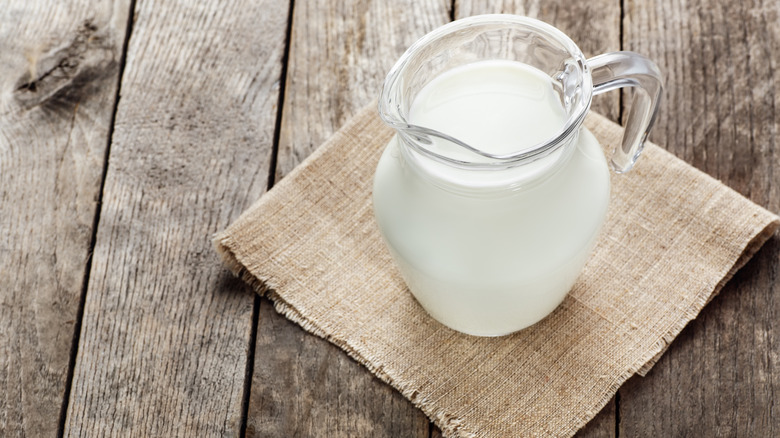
488, 252
499, 107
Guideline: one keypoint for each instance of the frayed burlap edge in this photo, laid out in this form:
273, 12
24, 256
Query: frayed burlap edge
265, 286
696, 307
453, 426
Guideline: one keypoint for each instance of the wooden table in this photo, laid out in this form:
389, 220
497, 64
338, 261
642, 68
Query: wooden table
131, 131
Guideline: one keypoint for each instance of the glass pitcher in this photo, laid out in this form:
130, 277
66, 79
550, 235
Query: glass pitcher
491, 195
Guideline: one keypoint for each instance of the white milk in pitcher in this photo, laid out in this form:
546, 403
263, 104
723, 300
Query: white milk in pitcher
489, 252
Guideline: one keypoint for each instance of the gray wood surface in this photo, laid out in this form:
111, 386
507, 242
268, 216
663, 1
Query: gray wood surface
59, 66
303, 386
214, 105
340, 53
166, 330
720, 376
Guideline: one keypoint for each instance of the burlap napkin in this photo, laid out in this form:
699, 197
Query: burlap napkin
674, 236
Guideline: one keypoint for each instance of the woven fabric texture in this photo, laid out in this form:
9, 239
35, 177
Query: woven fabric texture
673, 237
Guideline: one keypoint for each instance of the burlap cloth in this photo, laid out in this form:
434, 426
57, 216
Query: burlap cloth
673, 237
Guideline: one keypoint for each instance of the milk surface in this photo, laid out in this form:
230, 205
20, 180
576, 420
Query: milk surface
499, 107
488, 252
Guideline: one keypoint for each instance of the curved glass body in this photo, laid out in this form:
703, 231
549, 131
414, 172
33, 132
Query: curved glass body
491, 195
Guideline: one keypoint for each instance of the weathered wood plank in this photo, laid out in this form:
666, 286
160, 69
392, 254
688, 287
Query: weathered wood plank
720, 60
59, 67
304, 386
595, 27
340, 53
166, 329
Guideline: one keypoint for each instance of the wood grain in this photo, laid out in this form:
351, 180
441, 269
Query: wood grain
166, 329
720, 377
304, 386
595, 27
59, 67
340, 53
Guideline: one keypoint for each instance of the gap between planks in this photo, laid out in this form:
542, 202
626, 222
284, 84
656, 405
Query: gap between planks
250, 361
74, 349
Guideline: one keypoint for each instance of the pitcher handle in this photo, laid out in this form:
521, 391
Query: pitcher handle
628, 69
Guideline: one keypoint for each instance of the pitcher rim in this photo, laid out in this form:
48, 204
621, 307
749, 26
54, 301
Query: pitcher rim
398, 122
